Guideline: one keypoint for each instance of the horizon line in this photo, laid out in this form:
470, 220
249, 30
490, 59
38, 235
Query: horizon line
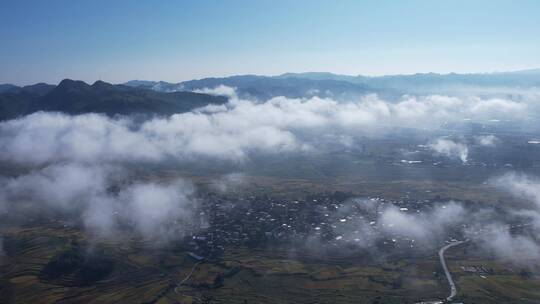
535, 69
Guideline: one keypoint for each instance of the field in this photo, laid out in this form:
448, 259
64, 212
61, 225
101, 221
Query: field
138, 274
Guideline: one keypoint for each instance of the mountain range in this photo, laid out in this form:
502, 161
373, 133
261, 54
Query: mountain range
165, 98
323, 84
77, 97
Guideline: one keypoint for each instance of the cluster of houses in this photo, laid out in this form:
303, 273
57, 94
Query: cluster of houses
333, 219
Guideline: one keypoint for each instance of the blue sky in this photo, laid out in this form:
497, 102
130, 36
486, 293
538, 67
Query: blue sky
178, 40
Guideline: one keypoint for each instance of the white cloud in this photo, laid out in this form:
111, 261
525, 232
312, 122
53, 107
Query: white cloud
157, 210
426, 226
450, 148
520, 185
498, 109
154, 210
235, 130
229, 182
48, 137
487, 140
497, 237
519, 249
220, 90
59, 185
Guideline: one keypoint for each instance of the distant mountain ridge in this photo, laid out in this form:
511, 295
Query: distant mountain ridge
78, 97
164, 98
325, 84
523, 78
265, 87
8, 88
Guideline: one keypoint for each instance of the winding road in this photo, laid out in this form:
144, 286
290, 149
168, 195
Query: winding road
453, 289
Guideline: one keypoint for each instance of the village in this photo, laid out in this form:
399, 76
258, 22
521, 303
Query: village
333, 221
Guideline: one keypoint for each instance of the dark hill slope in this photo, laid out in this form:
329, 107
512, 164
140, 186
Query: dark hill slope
77, 97
17, 100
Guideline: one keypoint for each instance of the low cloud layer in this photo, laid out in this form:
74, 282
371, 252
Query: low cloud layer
156, 211
77, 163
424, 226
519, 249
368, 223
516, 240
220, 90
241, 127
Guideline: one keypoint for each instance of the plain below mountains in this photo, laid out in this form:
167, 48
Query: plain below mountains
78, 97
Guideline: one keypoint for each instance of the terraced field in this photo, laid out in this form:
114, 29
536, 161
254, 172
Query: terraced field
130, 279
128, 271
135, 274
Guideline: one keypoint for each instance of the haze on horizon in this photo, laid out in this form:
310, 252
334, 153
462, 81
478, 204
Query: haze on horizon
120, 41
